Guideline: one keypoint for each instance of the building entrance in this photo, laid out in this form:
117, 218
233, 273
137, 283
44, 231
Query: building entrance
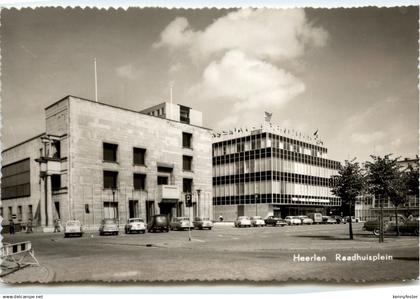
169, 209
111, 210
150, 210
133, 208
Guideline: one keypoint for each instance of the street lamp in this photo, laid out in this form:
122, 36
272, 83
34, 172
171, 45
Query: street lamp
198, 202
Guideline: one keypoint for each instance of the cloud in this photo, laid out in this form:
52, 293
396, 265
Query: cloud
367, 138
128, 72
264, 33
250, 83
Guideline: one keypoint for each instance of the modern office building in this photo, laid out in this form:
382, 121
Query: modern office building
269, 171
98, 161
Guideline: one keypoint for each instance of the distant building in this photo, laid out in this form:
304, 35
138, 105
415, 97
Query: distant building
99, 161
264, 172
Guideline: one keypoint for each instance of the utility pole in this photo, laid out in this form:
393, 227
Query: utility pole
96, 81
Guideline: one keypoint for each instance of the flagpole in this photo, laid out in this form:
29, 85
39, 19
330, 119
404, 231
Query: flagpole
96, 82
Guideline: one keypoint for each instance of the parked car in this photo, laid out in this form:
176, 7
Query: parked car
405, 225
306, 220
274, 221
242, 221
135, 225
337, 218
328, 220
181, 223
158, 222
353, 219
73, 227
316, 217
109, 226
293, 220
201, 223
257, 221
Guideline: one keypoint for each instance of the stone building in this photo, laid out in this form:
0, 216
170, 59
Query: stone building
98, 161
268, 171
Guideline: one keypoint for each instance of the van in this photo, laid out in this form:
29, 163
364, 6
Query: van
316, 217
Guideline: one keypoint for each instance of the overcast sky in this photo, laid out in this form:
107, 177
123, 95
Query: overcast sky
351, 73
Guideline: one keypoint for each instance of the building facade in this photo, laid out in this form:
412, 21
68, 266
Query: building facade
261, 172
99, 161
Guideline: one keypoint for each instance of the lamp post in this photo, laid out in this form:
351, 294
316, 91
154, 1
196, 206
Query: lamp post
198, 202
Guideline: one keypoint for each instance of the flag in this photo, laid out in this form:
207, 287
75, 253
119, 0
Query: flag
268, 116
316, 133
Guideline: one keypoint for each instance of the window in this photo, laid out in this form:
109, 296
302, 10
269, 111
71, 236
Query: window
1, 212
30, 212
186, 140
15, 181
110, 152
19, 213
55, 182
139, 181
162, 180
184, 114
110, 179
187, 163
139, 155
187, 185
10, 213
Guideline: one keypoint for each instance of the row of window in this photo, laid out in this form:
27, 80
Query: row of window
19, 213
16, 180
278, 187
274, 164
110, 151
110, 180
263, 141
277, 199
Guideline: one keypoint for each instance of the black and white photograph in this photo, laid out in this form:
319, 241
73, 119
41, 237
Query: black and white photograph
211, 145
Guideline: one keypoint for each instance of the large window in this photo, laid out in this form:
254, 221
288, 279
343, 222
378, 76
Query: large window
187, 163
187, 185
110, 179
162, 180
55, 182
139, 181
110, 152
186, 140
15, 181
184, 114
139, 156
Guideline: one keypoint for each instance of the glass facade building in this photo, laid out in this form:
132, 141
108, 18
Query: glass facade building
264, 173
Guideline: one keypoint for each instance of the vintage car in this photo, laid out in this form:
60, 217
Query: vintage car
316, 217
306, 219
181, 223
73, 228
257, 221
405, 226
135, 225
109, 226
353, 219
242, 221
293, 220
158, 222
200, 223
328, 220
274, 221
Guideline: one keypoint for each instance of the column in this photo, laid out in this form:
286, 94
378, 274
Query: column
50, 221
42, 203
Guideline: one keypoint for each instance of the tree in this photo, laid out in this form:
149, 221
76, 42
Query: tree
398, 194
382, 177
348, 185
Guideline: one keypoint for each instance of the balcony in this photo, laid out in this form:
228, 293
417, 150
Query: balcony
168, 192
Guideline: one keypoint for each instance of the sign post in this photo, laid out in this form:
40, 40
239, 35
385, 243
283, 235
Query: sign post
188, 204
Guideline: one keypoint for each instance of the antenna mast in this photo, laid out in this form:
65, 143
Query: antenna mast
96, 81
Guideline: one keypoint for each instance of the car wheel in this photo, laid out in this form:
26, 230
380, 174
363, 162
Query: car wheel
66, 235
416, 232
376, 232
209, 228
116, 233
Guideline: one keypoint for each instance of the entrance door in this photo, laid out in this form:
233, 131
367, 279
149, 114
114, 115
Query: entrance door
150, 210
241, 210
111, 210
133, 208
168, 209
56, 210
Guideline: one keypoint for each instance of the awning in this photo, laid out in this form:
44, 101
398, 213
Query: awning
169, 200
166, 165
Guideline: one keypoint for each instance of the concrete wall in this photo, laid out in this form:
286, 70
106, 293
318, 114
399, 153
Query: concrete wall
92, 123
28, 149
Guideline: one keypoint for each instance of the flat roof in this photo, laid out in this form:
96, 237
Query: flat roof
121, 108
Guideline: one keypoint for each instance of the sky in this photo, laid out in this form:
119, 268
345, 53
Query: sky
351, 74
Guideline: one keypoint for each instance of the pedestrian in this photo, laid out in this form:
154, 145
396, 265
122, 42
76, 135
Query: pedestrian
57, 225
29, 226
221, 218
11, 227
